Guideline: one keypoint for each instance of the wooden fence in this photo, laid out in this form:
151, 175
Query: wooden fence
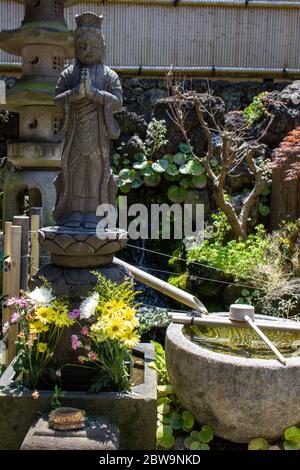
20, 262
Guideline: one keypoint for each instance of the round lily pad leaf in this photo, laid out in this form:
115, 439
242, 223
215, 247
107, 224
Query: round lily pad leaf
160, 166
140, 157
140, 165
292, 434
163, 409
137, 183
164, 436
258, 443
176, 420
172, 169
196, 445
188, 441
206, 434
187, 168
185, 148
186, 182
199, 181
125, 188
152, 180
188, 420
291, 445
179, 158
177, 193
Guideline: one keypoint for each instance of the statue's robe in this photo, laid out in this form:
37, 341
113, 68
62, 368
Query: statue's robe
86, 179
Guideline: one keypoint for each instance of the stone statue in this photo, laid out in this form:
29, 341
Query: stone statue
90, 93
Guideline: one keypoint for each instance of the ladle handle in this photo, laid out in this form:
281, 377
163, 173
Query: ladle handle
252, 324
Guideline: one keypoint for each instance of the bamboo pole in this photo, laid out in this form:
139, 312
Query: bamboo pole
6, 275
35, 249
164, 287
14, 283
23, 221
214, 321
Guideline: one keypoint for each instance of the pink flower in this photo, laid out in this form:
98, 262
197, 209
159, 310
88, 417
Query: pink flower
58, 373
92, 356
81, 359
15, 317
35, 395
16, 301
5, 328
75, 343
74, 314
11, 301
84, 331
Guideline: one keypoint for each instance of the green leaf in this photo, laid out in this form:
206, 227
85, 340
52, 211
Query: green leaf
245, 292
240, 300
140, 157
160, 166
137, 182
164, 390
164, 436
179, 158
177, 194
198, 168
186, 183
199, 181
125, 188
292, 434
188, 420
188, 442
291, 445
141, 165
176, 420
162, 400
206, 434
263, 210
187, 168
185, 148
172, 170
148, 171
258, 443
196, 445
214, 162
152, 180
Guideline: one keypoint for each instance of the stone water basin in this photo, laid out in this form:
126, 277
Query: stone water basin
228, 379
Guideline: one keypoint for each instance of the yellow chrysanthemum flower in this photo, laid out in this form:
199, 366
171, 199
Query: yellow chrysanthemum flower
42, 347
61, 319
131, 341
38, 327
44, 314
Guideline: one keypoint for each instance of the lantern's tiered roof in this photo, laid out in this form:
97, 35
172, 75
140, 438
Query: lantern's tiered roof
48, 32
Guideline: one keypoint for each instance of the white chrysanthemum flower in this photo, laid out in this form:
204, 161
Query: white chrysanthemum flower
41, 296
88, 306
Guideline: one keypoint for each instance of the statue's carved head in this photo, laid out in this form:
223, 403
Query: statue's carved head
90, 44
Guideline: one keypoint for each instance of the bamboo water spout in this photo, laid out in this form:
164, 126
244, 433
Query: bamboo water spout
164, 287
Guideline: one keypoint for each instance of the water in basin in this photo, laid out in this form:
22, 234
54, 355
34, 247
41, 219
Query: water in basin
243, 342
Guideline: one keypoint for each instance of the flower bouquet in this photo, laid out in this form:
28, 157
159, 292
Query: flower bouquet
41, 319
106, 340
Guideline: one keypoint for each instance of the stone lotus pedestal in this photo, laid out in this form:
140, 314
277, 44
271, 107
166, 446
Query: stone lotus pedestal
75, 255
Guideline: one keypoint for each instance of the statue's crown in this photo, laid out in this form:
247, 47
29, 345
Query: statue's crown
89, 19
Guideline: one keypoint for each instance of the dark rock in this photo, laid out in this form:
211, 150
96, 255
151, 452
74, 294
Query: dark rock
134, 145
284, 106
131, 124
162, 111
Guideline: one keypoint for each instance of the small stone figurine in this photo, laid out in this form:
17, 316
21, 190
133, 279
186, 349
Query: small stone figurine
90, 93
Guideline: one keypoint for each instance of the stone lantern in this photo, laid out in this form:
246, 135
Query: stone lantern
44, 43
